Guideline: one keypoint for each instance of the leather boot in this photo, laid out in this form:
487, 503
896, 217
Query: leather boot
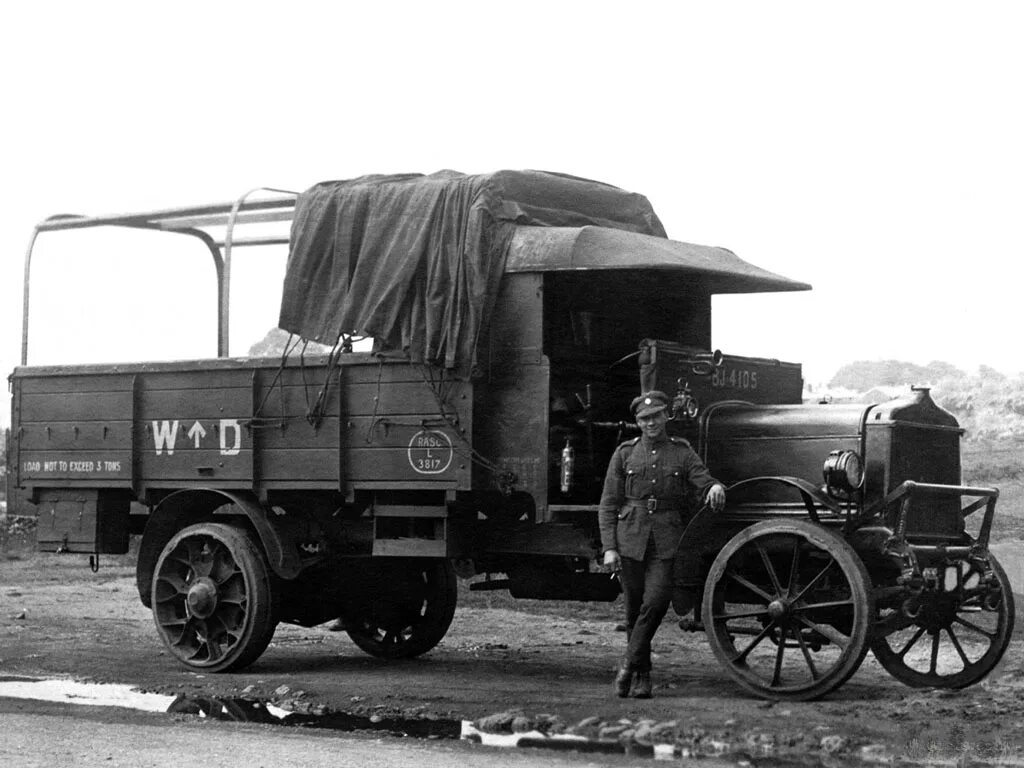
623, 681
642, 688
683, 600
691, 624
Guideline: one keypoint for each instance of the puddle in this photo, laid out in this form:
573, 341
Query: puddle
251, 711
229, 709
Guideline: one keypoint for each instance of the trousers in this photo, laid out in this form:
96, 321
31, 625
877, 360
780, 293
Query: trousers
647, 588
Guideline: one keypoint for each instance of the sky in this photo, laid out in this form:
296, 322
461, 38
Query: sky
871, 149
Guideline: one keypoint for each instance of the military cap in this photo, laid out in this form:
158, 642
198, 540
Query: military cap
649, 403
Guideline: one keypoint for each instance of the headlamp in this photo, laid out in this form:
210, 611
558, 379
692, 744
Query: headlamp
844, 472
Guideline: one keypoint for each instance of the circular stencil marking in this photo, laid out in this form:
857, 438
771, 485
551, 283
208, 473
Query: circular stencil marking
430, 452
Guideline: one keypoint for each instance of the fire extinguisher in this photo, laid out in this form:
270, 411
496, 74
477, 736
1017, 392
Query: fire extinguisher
568, 466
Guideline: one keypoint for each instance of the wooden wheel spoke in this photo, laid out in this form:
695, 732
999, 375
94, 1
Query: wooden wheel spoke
793, 567
956, 644
934, 662
749, 585
755, 614
971, 625
811, 584
741, 657
827, 604
779, 653
807, 655
910, 643
769, 568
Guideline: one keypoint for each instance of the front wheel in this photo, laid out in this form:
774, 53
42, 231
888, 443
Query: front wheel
953, 640
787, 609
212, 599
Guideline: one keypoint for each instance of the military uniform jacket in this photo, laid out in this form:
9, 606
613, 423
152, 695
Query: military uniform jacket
645, 498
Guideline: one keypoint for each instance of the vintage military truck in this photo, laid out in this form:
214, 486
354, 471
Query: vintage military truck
513, 317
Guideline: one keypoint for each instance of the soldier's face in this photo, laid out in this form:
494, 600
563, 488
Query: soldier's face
653, 425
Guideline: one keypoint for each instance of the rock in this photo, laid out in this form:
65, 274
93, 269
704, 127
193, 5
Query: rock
549, 724
19, 616
611, 731
587, 722
874, 753
522, 724
620, 627
355, 699
627, 735
282, 690
555, 727
376, 719
664, 732
500, 722
833, 744
642, 734
249, 689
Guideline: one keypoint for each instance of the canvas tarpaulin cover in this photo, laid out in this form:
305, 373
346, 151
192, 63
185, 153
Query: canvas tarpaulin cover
415, 261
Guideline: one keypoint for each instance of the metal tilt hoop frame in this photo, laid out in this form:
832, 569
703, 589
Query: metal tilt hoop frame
194, 221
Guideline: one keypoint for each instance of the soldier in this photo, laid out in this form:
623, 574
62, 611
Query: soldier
641, 519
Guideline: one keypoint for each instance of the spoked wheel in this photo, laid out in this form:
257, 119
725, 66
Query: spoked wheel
955, 638
410, 615
787, 609
212, 599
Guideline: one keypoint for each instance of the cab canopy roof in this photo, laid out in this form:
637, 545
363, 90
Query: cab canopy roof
720, 270
415, 261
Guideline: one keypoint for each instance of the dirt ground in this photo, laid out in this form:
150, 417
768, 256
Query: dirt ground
58, 619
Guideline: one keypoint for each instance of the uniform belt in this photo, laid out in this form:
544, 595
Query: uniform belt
654, 504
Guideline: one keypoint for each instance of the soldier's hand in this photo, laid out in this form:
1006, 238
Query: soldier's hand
716, 497
612, 561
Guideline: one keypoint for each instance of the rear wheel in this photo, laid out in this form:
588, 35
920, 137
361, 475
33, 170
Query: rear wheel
787, 609
212, 599
410, 615
953, 641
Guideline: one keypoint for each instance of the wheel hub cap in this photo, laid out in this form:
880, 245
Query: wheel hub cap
202, 598
777, 609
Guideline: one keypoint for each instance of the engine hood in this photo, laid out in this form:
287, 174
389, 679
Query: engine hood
741, 440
